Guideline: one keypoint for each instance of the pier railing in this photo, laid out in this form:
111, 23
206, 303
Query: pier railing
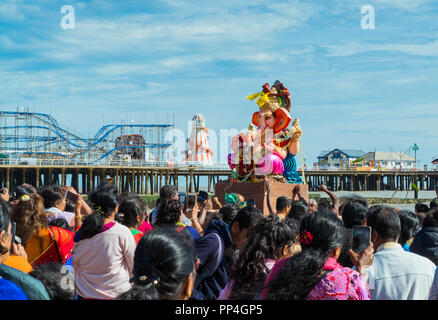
146, 177
183, 164
113, 163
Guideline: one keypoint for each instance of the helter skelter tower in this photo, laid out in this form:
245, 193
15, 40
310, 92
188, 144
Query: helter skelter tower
198, 149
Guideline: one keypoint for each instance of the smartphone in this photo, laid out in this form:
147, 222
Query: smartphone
13, 228
183, 199
191, 199
71, 196
202, 196
251, 202
361, 238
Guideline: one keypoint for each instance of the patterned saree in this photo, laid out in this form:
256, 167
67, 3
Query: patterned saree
50, 245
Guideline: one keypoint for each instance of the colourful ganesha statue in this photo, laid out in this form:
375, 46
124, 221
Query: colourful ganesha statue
268, 147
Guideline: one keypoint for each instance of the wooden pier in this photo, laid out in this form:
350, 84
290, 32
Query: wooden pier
148, 180
140, 180
372, 180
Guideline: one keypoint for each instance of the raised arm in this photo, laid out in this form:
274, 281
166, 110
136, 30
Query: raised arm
268, 195
205, 206
336, 203
193, 216
78, 215
217, 202
297, 191
85, 209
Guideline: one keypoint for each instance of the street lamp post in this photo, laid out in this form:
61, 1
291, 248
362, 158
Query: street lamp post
415, 148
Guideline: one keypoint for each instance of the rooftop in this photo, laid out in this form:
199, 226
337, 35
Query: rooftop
385, 156
348, 152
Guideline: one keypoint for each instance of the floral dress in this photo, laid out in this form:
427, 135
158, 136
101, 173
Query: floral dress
340, 284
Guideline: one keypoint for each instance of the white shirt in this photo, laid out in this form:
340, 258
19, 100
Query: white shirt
434, 290
55, 213
103, 263
399, 275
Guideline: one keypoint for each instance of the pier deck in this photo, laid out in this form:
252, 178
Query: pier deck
149, 179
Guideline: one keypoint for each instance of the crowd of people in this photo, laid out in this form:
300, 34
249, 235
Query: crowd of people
109, 247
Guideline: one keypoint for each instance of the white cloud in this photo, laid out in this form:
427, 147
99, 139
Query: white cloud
6, 43
16, 11
410, 5
407, 80
352, 48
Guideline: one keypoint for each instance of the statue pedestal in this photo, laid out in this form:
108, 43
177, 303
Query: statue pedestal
258, 190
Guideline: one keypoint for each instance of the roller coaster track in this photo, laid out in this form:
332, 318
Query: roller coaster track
84, 145
47, 119
126, 147
112, 127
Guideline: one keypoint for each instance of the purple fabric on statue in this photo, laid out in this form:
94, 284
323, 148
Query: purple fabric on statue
231, 158
269, 164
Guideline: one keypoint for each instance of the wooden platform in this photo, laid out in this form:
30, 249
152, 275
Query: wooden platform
258, 191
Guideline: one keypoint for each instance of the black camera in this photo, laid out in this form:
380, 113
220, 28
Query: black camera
202, 195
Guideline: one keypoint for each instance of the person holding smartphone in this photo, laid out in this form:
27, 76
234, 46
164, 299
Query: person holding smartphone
18, 257
395, 274
314, 273
14, 283
55, 203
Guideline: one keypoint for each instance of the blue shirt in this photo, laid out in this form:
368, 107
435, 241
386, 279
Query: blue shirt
10, 291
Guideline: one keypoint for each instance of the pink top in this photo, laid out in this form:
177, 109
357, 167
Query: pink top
103, 264
145, 227
339, 284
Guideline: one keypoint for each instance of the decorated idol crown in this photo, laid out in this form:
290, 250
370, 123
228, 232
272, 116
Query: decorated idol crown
276, 99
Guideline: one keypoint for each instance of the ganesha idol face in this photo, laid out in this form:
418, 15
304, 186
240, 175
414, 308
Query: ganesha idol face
276, 120
267, 120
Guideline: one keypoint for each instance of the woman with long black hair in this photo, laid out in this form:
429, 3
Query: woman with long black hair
164, 266
269, 241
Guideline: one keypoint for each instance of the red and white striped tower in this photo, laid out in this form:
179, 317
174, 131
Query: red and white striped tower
198, 148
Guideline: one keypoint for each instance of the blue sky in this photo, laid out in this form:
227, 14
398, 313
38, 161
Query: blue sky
351, 88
